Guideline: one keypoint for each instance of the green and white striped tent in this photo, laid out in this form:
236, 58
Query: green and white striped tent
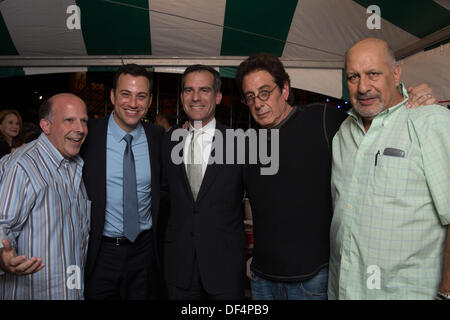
310, 36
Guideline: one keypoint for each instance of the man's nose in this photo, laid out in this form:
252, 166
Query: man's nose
133, 101
196, 95
259, 103
363, 85
80, 126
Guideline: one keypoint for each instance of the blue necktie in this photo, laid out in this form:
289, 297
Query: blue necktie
130, 201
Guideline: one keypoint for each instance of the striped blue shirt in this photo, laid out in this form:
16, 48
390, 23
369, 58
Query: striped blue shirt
44, 213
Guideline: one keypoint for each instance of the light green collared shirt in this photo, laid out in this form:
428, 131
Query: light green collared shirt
391, 195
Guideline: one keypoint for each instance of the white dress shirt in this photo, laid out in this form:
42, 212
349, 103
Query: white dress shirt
205, 141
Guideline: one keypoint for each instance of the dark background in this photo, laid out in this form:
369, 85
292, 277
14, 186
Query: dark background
26, 93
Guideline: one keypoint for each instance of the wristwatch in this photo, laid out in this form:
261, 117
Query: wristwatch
442, 296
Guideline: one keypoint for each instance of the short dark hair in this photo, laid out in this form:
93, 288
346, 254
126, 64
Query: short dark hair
134, 70
264, 62
200, 67
45, 110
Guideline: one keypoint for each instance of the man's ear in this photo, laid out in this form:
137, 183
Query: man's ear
397, 74
112, 97
150, 100
218, 97
285, 91
182, 101
46, 126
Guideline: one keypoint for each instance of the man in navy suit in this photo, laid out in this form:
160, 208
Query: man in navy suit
204, 244
119, 266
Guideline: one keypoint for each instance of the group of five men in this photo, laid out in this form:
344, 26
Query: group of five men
389, 169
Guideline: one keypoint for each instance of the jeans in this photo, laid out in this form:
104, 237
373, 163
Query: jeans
311, 289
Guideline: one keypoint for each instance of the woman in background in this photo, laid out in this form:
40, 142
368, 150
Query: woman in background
10, 129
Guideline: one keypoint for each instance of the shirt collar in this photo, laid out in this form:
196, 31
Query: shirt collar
209, 128
389, 111
54, 155
291, 113
118, 133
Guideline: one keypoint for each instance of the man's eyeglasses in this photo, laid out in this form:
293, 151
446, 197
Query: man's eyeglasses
263, 95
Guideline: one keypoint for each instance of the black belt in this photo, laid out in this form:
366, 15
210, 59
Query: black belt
122, 240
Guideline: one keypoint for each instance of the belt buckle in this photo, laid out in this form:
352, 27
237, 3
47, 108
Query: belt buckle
117, 242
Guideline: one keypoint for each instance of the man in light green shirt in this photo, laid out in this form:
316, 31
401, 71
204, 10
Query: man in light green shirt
390, 186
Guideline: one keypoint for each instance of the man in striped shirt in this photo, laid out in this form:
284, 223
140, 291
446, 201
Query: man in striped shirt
44, 211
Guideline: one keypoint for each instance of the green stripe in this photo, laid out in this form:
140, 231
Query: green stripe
418, 17
102, 69
7, 47
228, 72
116, 28
253, 26
6, 72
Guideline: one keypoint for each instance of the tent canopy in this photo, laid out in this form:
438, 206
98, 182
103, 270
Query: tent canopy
310, 36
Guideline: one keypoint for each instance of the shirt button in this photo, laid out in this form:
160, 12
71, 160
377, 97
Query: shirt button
355, 180
346, 258
347, 233
350, 206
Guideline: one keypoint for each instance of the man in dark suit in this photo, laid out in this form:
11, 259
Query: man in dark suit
204, 255
121, 261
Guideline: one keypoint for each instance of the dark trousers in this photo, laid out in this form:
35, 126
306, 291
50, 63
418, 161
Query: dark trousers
124, 271
196, 291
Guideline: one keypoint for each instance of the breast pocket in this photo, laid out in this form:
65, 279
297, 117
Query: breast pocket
391, 176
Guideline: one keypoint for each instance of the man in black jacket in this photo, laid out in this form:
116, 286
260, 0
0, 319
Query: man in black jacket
204, 249
121, 264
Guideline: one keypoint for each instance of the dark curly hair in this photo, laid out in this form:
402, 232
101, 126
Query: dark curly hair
264, 62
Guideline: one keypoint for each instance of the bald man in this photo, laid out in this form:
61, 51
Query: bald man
390, 187
44, 211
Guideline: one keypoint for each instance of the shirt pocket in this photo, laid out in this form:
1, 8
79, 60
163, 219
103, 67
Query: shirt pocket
391, 176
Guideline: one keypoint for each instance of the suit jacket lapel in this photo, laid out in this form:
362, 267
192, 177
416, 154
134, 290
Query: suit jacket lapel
101, 160
181, 167
152, 155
